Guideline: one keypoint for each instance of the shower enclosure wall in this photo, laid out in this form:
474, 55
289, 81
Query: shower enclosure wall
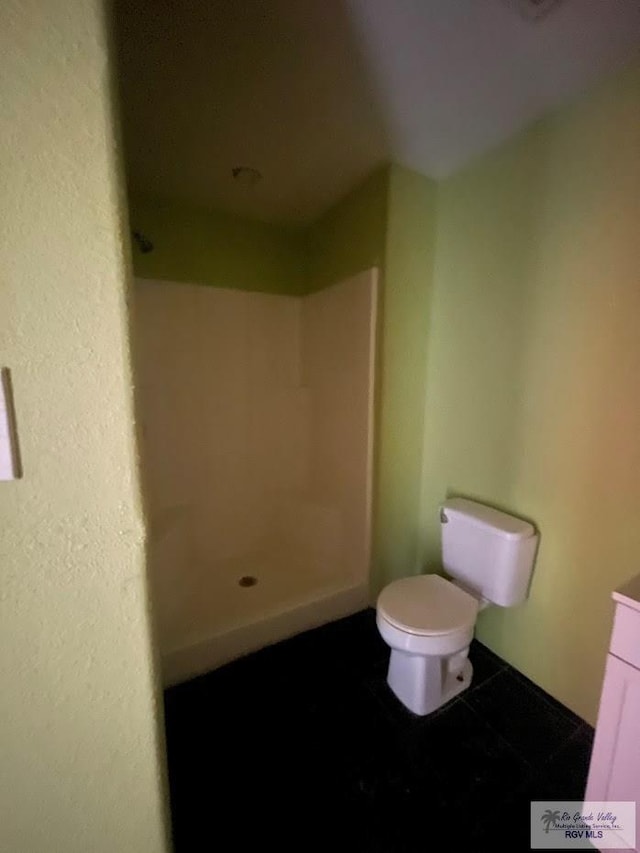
257, 414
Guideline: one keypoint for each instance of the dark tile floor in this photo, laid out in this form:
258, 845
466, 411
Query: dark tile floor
302, 747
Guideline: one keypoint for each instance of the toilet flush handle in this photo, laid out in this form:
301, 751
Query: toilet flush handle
443, 517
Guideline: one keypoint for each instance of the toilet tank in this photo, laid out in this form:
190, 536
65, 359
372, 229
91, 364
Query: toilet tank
489, 552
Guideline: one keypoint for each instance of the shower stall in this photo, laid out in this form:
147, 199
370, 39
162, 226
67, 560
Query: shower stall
256, 416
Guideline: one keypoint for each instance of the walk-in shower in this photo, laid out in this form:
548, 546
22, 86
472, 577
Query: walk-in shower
257, 422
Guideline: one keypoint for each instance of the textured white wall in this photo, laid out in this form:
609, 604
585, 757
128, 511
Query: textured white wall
79, 741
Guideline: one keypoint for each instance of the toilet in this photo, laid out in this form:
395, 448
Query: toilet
428, 621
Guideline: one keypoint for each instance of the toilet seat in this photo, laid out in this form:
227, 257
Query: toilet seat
427, 606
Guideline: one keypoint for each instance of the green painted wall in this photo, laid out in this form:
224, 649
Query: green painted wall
350, 237
405, 308
533, 401
507, 358
389, 222
211, 247
82, 768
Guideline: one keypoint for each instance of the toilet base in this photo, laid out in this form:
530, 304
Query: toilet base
424, 683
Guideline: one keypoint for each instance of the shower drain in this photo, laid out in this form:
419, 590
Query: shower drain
247, 580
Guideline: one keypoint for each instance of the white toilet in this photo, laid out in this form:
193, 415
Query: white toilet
428, 621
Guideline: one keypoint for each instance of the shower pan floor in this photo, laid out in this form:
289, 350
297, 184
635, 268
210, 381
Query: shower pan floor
238, 605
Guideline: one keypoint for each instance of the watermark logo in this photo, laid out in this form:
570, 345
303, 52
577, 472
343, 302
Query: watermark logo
573, 825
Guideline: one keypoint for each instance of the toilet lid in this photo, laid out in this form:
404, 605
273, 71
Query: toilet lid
427, 605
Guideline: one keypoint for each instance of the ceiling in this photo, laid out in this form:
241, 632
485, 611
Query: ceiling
316, 93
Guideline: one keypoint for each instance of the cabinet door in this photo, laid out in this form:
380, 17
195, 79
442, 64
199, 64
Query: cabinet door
614, 772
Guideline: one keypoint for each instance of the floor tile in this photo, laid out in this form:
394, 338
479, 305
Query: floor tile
466, 754
485, 664
534, 727
559, 707
564, 775
304, 747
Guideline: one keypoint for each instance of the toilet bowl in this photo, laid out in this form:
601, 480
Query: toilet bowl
428, 621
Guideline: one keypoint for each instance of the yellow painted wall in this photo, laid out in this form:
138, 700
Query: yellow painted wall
80, 746
201, 246
533, 401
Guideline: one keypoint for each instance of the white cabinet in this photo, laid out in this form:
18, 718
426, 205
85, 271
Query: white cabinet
614, 772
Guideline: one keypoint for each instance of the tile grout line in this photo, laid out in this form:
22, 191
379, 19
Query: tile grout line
488, 680
501, 737
574, 734
547, 698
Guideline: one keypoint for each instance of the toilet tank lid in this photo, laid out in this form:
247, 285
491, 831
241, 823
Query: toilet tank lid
489, 518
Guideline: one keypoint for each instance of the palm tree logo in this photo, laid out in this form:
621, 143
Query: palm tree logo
550, 818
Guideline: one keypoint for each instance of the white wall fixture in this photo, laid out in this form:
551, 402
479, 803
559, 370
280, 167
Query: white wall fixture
9, 459
533, 10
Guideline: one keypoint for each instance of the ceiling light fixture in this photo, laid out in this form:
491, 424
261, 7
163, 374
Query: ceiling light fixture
246, 175
533, 10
